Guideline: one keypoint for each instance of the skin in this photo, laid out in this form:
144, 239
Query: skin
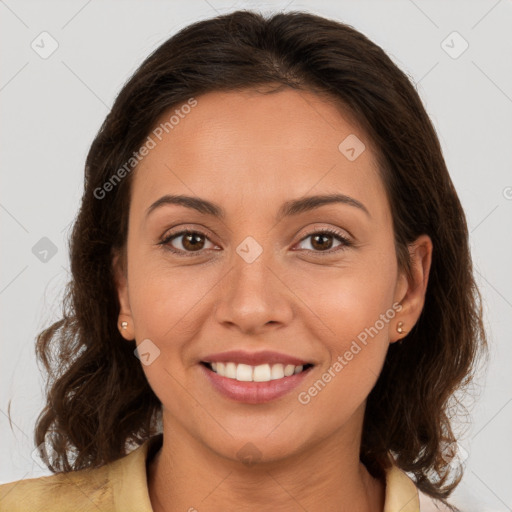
249, 153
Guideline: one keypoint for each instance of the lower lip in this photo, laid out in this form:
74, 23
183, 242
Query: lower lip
254, 392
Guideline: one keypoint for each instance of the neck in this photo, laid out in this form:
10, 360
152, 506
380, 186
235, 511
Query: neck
186, 475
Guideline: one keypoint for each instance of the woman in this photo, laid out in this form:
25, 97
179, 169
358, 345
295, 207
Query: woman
272, 296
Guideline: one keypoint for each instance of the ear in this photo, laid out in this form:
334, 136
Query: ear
119, 271
411, 289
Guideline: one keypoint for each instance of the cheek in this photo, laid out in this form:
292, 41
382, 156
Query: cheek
164, 299
357, 307
351, 298
167, 305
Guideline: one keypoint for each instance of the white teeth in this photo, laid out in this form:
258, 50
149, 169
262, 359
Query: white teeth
230, 370
288, 370
243, 372
277, 371
260, 373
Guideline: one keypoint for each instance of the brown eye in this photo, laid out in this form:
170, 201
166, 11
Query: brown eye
322, 241
188, 242
191, 241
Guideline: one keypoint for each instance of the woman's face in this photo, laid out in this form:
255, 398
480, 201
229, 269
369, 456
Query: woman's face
262, 277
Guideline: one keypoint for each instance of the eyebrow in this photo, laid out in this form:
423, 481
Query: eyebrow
289, 208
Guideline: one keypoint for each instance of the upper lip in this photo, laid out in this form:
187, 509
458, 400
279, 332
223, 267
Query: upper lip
254, 358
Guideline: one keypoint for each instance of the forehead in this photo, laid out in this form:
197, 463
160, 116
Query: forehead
234, 145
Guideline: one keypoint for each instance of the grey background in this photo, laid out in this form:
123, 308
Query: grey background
52, 108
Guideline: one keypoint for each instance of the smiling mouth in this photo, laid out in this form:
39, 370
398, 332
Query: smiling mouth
260, 373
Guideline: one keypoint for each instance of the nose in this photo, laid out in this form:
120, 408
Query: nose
253, 297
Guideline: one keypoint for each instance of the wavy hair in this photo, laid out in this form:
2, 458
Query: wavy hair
96, 387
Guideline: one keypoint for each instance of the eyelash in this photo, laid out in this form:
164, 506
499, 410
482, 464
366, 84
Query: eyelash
328, 231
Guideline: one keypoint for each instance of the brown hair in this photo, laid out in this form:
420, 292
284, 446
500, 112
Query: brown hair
98, 398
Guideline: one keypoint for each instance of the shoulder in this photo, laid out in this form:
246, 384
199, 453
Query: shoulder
119, 485
403, 494
87, 489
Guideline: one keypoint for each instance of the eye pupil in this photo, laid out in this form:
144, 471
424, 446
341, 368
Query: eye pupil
320, 236
193, 241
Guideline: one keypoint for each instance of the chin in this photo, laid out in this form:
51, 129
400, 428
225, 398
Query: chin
259, 448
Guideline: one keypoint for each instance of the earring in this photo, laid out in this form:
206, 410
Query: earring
124, 325
399, 328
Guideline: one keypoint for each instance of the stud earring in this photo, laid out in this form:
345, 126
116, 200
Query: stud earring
124, 325
399, 328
